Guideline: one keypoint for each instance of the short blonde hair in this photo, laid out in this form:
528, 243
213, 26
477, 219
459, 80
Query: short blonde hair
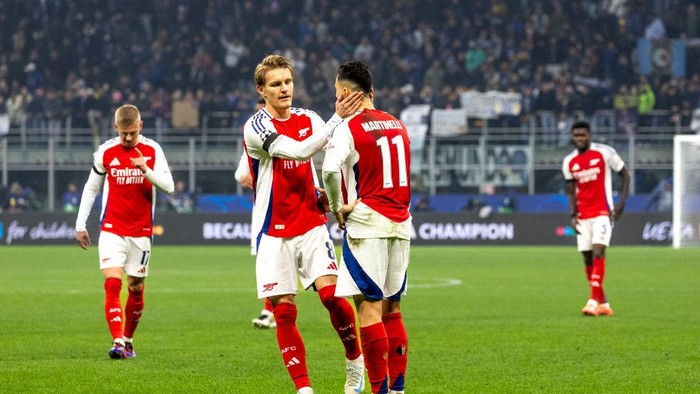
127, 115
271, 62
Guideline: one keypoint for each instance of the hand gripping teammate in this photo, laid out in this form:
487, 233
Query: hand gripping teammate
370, 154
289, 222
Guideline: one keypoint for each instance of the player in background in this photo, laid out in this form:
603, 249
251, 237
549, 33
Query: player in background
366, 173
587, 171
134, 166
242, 175
289, 219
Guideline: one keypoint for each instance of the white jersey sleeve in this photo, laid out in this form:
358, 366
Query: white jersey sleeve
568, 176
242, 169
262, 138
160, 175
90, 191
614, 160
92, 186
338, 149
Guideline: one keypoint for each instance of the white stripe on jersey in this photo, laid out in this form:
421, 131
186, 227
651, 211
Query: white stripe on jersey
258, 121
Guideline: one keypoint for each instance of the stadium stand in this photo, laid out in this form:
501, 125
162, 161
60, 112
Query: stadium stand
69, 64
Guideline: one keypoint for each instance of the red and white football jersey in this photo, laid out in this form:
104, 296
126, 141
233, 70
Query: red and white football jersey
128, 198
286, 202
592, 172
372, 150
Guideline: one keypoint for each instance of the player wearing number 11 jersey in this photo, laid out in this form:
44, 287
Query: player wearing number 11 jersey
366, 173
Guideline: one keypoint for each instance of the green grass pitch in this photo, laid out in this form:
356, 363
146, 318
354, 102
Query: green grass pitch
480, 320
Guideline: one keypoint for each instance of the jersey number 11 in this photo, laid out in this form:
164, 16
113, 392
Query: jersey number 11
383, 143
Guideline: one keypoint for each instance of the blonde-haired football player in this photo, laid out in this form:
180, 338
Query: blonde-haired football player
133, 167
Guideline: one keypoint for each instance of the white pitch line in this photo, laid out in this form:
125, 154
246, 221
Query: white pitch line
436, 282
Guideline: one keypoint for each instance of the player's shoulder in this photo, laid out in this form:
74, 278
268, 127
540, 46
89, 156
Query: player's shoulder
597, 146
258, 121
304, 112
149, 141
384, 118
110, 143
385, 114
571, 155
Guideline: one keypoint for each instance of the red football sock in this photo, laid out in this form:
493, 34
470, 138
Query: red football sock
375, 346
589, 271
597, 276
343, 320
113, 307
291, 345
134, 307
398, 350
267, 305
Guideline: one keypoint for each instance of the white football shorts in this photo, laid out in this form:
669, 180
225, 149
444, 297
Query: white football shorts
375, 267
130, 253
593, 231
282, 262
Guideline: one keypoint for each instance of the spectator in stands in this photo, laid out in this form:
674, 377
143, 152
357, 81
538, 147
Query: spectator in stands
234, 52
70, 201
16, 105
645, 101
36, 116
34, 77
423, 204
692, 21
434, 76
53, 106
507, 204
19, 199
625, 104
473, 205
4, 118
661, 198
181, 200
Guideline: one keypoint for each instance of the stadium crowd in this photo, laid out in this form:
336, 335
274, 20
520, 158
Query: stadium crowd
77, 61
85, 58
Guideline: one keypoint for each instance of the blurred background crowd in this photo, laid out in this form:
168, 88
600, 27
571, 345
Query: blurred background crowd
80, 59
84, 58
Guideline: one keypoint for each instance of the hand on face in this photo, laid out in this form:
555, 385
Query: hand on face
348, 105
